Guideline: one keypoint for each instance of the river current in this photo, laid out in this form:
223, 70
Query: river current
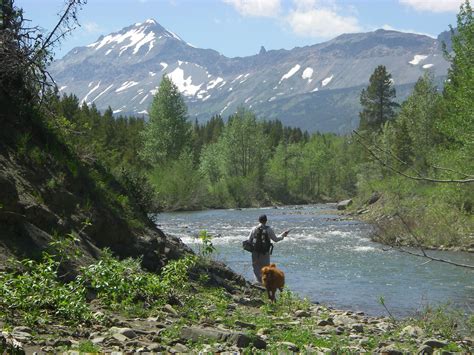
332, 260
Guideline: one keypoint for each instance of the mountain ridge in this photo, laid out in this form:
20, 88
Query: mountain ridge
123, 70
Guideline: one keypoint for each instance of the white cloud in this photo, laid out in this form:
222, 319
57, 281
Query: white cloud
257, 8
433, 5
320, 22
92, 27
391, 28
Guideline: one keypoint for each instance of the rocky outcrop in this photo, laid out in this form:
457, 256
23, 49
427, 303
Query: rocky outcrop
48, 194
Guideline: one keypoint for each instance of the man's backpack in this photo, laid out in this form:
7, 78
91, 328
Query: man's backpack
262, 241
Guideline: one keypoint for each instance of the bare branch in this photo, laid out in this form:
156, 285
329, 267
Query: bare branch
418, 178
400, 249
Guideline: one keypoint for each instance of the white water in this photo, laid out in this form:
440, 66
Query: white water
332, 260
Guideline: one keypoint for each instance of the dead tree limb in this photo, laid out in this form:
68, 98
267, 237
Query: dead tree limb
418, 178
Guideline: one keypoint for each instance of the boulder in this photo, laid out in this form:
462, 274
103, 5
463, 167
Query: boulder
344, 204
435, 343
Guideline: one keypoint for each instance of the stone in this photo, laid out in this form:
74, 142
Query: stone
259, 343
344, 204
245, 325
359, 328
289, 346
195, 333
390, 350
22, 329
21, 336
263, 331
412, 331
302, 314
179, 348
155, 347
120, 337
128, 332
325, 322
425, 349
62, 342
170, 310
435, 343
241, 340
98, 340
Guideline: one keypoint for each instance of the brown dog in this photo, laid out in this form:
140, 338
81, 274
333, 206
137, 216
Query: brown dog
272, 279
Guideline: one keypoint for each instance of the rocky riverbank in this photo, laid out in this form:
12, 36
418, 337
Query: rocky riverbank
236, 320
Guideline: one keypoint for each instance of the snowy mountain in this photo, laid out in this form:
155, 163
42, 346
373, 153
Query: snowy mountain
314, 87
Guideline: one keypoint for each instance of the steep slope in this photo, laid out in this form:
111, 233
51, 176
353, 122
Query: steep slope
124, 69
48, 195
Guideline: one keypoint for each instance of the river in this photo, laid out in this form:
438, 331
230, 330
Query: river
331, 259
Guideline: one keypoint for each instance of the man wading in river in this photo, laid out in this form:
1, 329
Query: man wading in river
262, 247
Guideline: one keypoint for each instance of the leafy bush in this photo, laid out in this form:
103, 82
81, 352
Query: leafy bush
35, 294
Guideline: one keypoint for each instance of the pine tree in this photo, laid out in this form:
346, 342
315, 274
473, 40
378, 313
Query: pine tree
168, 132
377, 101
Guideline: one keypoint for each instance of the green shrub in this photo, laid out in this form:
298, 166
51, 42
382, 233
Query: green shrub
35, 294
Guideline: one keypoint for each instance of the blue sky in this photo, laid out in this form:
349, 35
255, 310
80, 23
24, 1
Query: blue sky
240, 27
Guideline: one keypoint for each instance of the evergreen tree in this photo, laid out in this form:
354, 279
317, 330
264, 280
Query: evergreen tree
168, 132
377, 101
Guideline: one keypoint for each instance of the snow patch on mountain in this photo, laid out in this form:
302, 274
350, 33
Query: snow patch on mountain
185, 85
213, 83
164, 65
307, 74
91, 91
120, 109
137, 37
151, 73
427, 66
327, 80
62, 88
103, 92
143, 100
417, 59
126, 85
290, 73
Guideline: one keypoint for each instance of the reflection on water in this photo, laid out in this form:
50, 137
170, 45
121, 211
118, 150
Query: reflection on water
330, 259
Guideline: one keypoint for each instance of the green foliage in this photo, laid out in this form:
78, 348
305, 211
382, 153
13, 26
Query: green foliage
458, 119
121, 282
168, 131
87, 347
445, 321
377, 100
179, 184
34, 293
207, 247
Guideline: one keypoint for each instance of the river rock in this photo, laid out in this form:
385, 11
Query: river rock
412, 331
425, 350
245, 325
359, 328
390, 350
195, 333
120, 337
241, 340
128, 332
98, 340
179, 348
344, 204
435, 343
289, 346
259, 343
170, 310
302, 314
